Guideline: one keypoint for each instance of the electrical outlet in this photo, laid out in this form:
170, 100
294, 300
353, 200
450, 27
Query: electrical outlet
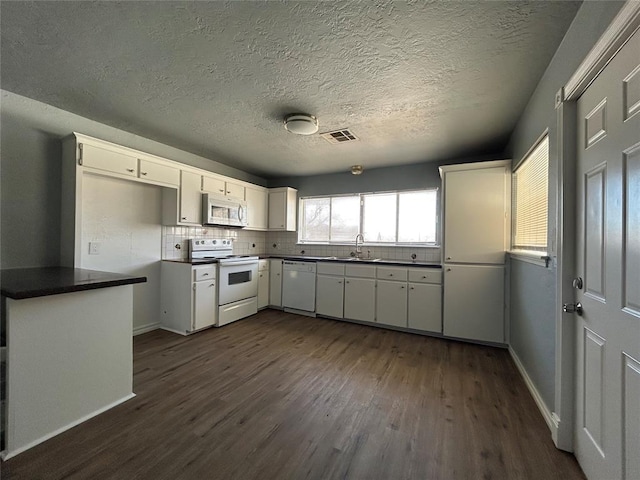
94, 248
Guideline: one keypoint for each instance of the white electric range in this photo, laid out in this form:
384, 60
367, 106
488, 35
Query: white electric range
237, 278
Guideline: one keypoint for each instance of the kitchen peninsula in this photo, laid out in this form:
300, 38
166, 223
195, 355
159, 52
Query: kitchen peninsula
69, 350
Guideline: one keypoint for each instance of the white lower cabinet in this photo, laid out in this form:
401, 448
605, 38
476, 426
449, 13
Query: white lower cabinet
263, 283
474, 302
204, 304
391, 304
425, 300
360, 299
275, 282
330, 289
188, 297
330, 296
425, 307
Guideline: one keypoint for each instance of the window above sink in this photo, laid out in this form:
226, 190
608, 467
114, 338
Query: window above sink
385, 218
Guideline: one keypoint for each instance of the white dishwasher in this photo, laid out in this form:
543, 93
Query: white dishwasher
299, 286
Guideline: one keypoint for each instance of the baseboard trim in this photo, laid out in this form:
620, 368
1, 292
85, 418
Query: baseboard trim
544, 410
145, 328
5, 455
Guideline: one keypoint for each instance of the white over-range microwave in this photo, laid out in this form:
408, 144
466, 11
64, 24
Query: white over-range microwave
217, 210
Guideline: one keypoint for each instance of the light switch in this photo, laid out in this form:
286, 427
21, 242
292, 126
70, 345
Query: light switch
94, 248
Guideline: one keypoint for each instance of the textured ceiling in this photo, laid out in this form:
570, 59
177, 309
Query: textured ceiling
415, 81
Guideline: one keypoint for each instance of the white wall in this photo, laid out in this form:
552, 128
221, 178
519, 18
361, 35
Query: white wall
125, 219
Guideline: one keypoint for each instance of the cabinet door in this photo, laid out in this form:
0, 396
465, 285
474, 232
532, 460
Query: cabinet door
277, 210
360, 299
213, 185
263, 288
475, 220
474, 302
109, 161
234, 190
205, 307
190, 198
275, 283
330, 296
257, 214
391, 303
425, 307
157, 172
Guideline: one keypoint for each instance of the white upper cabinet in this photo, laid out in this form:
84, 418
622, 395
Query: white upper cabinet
109, 160
190, 198
221, 186
476, 212
282, 208
257, 208
158, 173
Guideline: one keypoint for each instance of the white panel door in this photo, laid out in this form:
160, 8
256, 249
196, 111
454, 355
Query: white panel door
474, 302
257, 201
275, 283
607, 436
263, 288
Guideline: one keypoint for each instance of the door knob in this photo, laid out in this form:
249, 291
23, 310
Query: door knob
577, 283
573, 308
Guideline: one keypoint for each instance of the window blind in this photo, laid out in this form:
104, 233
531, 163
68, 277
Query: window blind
530, 201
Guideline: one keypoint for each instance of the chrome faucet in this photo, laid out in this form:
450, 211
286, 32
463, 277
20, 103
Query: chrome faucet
359, 245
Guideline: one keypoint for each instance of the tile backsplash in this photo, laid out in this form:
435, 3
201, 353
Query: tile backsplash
175, 245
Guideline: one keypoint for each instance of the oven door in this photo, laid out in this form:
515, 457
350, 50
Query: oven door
237, 280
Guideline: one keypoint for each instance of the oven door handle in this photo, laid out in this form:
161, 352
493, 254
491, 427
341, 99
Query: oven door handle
238, 263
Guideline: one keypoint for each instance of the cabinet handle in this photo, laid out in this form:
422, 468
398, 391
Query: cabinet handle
143, 173
448, 258
130, 170
347, 281
424, 276
212, 285
410, 288
448, 269
260, 275
391, 274
184, 218
205, 274
402, 286
221, 190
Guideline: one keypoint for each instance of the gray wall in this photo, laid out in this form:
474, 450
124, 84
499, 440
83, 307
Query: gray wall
30, 175
533, 288
404, 177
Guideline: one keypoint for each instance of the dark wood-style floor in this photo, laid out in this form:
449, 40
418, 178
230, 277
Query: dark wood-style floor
279, 396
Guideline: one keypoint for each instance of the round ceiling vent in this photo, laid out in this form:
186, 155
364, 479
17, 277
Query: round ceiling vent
301, 123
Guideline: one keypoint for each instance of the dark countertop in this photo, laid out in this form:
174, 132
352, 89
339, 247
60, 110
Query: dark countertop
309, 258
381, 261
21, 283
191, 262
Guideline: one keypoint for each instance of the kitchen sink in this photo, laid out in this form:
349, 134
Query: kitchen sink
354, 259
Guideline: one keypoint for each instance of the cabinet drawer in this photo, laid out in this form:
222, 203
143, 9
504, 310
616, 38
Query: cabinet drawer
204, 272
362, 271
109, 161
425, 275
159, 173
263, 265
392, 273
325, 268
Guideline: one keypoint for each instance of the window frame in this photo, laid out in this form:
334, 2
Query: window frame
531, 255
397, 193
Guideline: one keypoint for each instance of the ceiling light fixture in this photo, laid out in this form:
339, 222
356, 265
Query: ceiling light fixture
356, 169
301, 123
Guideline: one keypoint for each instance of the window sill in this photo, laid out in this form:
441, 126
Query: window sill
536, 258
